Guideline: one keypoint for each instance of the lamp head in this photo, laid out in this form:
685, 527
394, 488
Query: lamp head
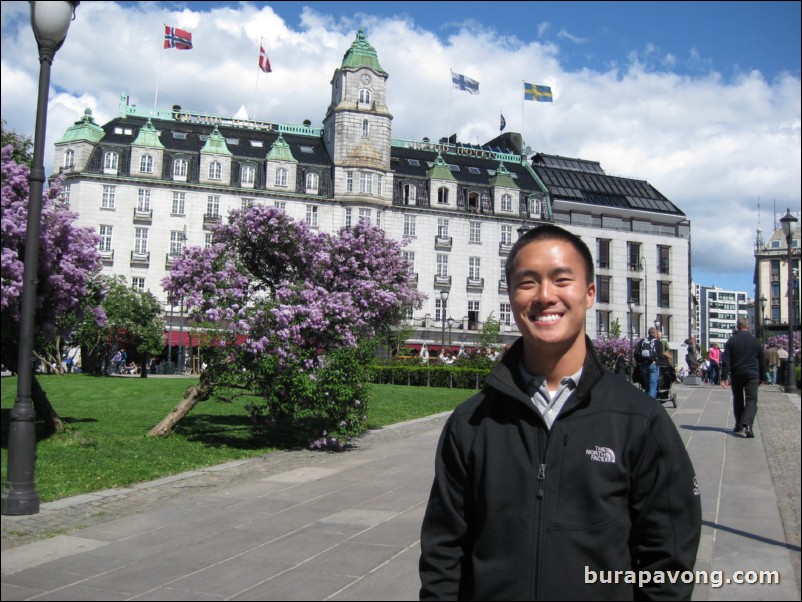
788, 222
50, 22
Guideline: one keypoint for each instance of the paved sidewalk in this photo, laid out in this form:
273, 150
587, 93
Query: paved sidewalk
317, 526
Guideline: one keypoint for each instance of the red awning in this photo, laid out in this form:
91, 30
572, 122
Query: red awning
189, 339
177, 338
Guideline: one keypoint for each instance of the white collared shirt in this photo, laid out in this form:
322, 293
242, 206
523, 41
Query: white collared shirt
549, 403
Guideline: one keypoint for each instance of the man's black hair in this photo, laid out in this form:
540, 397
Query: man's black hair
550, 232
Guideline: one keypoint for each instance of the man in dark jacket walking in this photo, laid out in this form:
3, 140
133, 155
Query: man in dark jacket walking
743, 365
558, 480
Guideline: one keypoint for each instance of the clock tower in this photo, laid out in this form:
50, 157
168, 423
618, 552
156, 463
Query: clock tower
357, 129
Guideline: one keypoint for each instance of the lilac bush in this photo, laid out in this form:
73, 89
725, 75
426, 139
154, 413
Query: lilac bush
68, 260
608, 349
284, 299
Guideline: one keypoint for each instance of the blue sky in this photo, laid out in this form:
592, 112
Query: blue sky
701, 99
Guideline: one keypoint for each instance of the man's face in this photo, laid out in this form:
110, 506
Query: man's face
550, 295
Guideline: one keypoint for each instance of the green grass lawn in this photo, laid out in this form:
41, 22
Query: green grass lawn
105, 442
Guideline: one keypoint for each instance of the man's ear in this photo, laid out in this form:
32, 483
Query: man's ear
591, 295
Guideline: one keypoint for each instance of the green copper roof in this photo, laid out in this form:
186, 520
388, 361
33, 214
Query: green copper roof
216, 144
85, 129
280, 151
362, 54
148, 136
503, 178
440, 170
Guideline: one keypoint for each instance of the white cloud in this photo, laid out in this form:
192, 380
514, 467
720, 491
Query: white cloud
711, 146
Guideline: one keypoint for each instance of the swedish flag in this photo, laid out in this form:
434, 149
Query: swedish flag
537, 93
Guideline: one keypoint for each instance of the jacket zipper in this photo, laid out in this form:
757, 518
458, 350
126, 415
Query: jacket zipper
541, 493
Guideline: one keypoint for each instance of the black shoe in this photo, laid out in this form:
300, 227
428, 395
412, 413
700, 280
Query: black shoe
738, 429
748, 432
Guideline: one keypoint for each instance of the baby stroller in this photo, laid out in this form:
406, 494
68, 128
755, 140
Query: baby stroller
667, 377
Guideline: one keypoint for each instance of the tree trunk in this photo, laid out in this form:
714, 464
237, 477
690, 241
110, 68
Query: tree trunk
44, 409
195, 393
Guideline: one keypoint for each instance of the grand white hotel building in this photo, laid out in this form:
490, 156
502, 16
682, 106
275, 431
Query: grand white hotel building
152, 182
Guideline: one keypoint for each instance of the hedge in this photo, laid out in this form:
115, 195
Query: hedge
453, 377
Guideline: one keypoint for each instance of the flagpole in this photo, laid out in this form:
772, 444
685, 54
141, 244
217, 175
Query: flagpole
522, 110
256, 88
448, 122
158, 74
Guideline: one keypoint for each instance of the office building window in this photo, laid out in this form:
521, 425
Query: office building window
215, 170
141, 241
475, 232
409, 225
146, 164
180, 168
105, 244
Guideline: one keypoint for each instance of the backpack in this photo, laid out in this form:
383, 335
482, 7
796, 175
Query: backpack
646, 350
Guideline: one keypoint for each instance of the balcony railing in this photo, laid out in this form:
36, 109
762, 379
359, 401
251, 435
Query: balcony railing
442, 242
504, 248
442, 280
140, 258
476, 283
143, 216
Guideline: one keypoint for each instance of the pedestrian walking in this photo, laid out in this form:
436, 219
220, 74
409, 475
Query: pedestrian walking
773, 362
557, 466
743, 366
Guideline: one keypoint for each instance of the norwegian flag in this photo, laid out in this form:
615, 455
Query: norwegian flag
264, 62
177, 38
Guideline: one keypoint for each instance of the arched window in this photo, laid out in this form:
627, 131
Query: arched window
442, 195
312, 183
110, 161
248, 175
506, 202
146, 164
410, 194
215, 170
365, 128
535, 207
473, 202
180, 168
281, 177
364, 96
69, 159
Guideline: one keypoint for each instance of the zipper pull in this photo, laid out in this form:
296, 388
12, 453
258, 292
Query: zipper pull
541, 476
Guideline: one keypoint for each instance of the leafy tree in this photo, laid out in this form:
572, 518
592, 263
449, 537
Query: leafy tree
488, 333
68, 262
133, 321
290, 303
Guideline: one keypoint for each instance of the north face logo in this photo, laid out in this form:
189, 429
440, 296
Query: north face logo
601, 454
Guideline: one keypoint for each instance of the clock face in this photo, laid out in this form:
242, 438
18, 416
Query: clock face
366, 79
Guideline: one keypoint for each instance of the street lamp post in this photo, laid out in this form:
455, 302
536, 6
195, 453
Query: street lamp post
788, 222
762, 319
443, 304
50, 22
631, 306
450, 325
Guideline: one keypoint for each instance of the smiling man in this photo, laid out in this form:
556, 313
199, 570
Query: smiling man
558, 480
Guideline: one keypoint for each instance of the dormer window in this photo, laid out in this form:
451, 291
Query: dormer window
110, 161
215, 170
410, 194
506, 202
442, 195
180, 169
473, 202
146, 164
312, 183
69, 159
248, 175
281, 177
